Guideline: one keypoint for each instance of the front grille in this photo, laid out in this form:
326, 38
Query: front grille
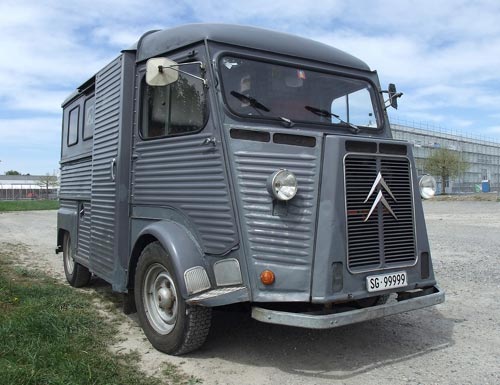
385, 239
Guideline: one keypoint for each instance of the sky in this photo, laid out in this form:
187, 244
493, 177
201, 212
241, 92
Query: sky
443, 55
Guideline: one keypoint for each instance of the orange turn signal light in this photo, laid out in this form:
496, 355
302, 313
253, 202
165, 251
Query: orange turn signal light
267, 277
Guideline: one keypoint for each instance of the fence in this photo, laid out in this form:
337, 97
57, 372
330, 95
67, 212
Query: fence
20, 193
481, 154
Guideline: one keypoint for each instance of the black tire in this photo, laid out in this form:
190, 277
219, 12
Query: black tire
77, 275
171, 325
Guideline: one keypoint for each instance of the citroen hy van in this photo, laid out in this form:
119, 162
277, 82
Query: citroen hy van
211, 165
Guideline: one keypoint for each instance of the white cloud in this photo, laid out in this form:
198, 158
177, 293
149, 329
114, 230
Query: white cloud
444, 55
493, 129
30, 145
28, 132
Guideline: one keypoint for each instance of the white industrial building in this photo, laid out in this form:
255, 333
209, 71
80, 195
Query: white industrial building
481, 155
14, 187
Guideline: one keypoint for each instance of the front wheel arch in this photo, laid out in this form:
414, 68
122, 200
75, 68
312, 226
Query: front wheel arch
171, 325
181, 246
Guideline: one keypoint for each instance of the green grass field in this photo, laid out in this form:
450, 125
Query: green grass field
52, 334
29, 205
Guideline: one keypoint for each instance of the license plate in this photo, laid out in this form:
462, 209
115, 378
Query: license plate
386, 281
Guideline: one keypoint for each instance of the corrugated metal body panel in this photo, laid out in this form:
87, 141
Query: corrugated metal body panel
280, 236
83, 250
67, 204
106, 134
182, 173
76, 179
277, 239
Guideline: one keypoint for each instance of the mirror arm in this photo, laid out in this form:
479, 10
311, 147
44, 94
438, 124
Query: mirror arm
160, 69
396, 95
194, 76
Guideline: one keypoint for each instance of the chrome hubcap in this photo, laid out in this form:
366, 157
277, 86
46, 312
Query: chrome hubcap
68, 257
160, 299
165, 299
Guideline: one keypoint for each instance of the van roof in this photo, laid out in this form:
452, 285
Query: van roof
156, 43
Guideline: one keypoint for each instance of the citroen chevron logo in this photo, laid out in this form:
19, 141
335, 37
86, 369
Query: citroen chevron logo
380, 182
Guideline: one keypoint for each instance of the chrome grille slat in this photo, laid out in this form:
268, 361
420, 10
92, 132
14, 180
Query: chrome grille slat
382, 241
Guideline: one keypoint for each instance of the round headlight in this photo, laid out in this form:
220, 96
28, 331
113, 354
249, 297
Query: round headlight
282, 185
428, 186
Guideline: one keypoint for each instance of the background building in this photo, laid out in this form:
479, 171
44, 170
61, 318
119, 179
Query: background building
482, 155
14, 187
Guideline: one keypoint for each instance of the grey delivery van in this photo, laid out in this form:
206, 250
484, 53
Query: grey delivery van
211, 165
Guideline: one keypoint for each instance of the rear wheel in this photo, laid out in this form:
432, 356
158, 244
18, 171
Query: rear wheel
171, 325
77, 275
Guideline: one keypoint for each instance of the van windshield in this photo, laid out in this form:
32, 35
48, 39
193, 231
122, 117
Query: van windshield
260, 89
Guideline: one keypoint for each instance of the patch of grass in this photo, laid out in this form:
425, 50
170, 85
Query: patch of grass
52, 334
29, 205
25, 272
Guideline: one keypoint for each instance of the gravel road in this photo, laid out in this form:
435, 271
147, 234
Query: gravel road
457, 342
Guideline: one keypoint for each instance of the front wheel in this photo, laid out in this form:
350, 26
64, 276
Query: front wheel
171, 325
77, 275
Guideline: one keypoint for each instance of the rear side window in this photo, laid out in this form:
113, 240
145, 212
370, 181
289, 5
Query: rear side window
73, 126
88, 119
177, 109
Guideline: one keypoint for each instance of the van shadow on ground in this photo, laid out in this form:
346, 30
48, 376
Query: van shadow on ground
334, 354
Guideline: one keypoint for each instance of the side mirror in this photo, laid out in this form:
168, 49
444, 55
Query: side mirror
392, 92
393, 96
161, 72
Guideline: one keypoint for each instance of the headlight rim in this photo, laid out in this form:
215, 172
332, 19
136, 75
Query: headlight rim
433, 188
271, 183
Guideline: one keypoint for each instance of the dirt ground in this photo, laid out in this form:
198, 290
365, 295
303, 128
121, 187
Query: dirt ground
457, 342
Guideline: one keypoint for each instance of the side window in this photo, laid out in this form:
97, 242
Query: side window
88, 118
73, 126
177, 109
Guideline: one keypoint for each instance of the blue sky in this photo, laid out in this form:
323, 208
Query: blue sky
444, 55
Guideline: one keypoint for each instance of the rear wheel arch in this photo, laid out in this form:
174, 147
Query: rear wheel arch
76, 274
60, 238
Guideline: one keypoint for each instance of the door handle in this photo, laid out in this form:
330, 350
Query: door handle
210, 140
113, 168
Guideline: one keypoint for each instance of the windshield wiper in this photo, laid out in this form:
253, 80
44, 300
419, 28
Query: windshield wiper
326, 114
251, 101
254, 103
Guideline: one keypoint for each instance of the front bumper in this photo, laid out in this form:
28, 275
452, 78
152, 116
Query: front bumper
406, 301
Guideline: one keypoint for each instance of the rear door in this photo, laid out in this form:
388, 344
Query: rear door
110, 171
